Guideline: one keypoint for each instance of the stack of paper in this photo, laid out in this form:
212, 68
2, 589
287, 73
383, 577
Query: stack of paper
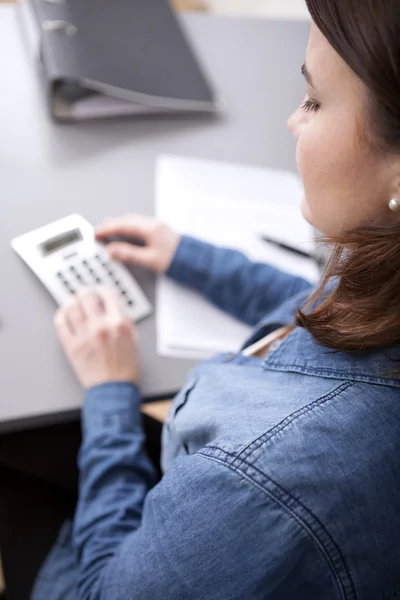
228, 205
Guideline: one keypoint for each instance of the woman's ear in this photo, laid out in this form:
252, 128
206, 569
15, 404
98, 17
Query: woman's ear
393, 199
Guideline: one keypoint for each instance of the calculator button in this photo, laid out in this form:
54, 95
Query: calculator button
77, 275
61, 277
90, 270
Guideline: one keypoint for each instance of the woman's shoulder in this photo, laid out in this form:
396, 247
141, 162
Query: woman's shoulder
336, 417
332, 466
300, 454
248, 403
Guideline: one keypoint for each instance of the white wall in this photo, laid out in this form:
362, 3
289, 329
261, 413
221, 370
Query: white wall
274, 8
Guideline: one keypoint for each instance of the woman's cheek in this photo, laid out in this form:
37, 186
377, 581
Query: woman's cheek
307, 164
303, 159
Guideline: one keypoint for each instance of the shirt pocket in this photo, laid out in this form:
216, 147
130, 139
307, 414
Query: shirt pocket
181, 400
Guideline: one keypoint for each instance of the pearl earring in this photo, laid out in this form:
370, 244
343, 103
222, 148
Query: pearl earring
394, 205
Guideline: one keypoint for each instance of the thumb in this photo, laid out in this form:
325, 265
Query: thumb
130, 253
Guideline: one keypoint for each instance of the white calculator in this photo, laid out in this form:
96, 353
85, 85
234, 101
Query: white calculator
65, 256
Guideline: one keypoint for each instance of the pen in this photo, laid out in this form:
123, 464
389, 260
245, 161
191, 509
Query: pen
288, 248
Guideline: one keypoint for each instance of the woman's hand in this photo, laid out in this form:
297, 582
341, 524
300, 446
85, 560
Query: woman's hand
160, 241
99, 340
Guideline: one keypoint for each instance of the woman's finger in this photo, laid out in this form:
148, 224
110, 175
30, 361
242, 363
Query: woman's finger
61, 324
112, 303
74, 315
132, 226
130, 253
90, 303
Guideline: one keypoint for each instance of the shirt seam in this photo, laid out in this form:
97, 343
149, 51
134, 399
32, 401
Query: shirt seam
275, 365
276, 361
267, 436
237, 462
343, 586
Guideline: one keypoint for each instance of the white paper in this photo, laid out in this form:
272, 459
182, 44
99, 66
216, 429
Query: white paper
230, 206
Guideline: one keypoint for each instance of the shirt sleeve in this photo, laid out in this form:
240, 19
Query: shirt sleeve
203, 532
115, 476
245, 289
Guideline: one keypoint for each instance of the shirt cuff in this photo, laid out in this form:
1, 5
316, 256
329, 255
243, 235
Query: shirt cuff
191, 263
112, 408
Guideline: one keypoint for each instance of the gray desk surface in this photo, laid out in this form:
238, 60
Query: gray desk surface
106, 169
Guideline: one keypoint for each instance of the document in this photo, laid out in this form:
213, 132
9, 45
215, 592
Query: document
232, 206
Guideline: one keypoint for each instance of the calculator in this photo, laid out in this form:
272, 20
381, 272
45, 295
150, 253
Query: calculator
65, 256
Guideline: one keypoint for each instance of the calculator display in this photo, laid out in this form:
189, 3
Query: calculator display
60, 241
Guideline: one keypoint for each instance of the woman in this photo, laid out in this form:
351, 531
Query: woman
281, 462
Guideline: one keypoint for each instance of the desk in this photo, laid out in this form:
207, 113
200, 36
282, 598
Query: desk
107, 168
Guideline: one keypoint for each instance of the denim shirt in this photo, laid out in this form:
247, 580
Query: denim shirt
281, 474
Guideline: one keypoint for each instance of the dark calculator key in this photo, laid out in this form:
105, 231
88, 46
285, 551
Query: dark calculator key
98, 280
69, 287
130, 302
124, 292
101, 261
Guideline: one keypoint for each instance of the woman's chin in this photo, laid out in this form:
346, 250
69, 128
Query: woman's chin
305, 210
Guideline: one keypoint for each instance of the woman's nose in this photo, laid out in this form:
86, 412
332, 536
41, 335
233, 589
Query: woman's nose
293, 124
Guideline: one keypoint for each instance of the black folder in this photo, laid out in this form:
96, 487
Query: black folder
104, 58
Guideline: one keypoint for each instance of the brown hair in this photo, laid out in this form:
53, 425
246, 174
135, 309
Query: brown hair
363, 310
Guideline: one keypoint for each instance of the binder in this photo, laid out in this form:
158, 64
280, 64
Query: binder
104, 58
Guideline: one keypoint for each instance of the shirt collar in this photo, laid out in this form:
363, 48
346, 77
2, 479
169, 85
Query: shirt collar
301, 353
